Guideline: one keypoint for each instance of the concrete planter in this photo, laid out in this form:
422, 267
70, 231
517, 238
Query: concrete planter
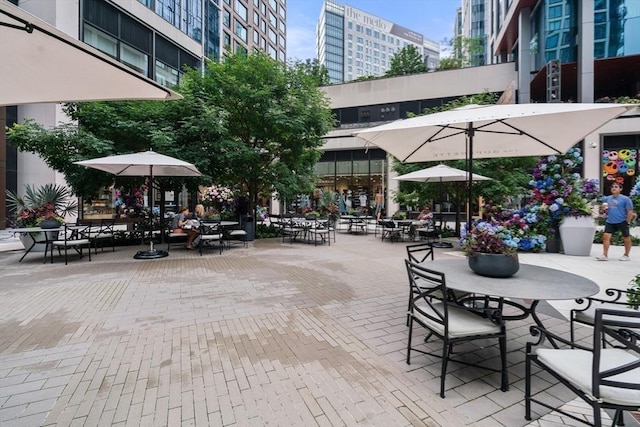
577, 235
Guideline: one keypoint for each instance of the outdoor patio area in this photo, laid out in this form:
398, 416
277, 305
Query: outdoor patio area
273, 334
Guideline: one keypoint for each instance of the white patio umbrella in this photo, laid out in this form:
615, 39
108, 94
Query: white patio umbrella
513, 130
41, 64
440, 173
148, 163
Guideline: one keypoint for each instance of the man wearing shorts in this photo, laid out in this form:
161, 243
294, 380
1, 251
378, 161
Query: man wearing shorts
619, 209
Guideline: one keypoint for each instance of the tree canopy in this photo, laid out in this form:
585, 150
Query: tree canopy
408, 60
249, 122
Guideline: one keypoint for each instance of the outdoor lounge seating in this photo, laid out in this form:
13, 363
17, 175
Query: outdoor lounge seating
453, 324
604, 377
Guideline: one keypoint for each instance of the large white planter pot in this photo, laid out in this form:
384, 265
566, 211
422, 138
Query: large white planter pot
26, 241
577, 235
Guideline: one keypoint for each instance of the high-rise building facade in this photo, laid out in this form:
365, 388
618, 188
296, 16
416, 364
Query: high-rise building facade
352, 43
255, 24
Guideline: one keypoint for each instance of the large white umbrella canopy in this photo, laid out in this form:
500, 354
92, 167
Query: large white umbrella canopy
41, 64
439, 173
148, 163
511, 130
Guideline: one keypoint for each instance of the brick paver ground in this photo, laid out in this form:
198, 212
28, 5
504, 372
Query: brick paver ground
274, 334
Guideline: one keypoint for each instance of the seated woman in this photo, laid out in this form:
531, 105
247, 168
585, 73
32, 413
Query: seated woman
199, 211
178, 224
424, 217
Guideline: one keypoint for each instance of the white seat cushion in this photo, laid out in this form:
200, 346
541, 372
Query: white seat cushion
575, 366
71, 242
589, 315
462, 323
211, 236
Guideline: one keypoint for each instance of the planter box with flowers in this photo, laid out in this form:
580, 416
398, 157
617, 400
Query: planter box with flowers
44, 207
564, 201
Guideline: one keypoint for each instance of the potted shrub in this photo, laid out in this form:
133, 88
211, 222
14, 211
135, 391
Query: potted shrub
49, 202
491, 249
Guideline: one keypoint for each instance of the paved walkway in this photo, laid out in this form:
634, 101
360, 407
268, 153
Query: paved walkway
274, 334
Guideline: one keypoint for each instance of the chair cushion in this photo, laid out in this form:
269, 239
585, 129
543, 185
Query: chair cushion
238, 233
588, 316
210, 236
462, 323
76, 242
575, 366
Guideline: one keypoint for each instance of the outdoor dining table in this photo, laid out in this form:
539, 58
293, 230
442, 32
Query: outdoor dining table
32, 232
531, 284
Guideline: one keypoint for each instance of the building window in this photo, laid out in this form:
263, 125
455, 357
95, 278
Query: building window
227, 41
226, 19
256, 37
263, 26
241, 10
241, 32
272, 36
166, 75
273, 20
272, 52
273, 4
134, 59
101, 41
256, 18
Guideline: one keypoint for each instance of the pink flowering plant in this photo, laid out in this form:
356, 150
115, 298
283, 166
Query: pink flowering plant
218, 198
130, 204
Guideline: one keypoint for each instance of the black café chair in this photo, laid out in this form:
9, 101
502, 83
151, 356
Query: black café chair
604, 377
617, 299
75, 236
209, 233
451, 323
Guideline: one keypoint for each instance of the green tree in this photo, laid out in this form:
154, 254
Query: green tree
408, 60
464, 51
273, 118
250, 122
314, 69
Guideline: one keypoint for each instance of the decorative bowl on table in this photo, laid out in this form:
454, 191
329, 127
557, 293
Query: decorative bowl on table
494, 265
50, 223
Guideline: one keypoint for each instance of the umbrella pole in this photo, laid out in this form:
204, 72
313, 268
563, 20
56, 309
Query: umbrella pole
470, 132
151, 253
440, 243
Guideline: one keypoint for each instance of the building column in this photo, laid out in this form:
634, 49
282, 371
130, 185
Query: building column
524, 56
585, 52
3, 166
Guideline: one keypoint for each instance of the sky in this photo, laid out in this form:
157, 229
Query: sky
433, 19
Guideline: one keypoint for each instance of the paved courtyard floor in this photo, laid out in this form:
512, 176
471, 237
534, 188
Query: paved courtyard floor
273, 334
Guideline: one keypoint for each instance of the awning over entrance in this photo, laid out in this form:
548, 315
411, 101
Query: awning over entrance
41, 64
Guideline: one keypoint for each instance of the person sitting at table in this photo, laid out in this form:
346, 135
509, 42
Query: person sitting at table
199, 211
179, 226
424, 217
